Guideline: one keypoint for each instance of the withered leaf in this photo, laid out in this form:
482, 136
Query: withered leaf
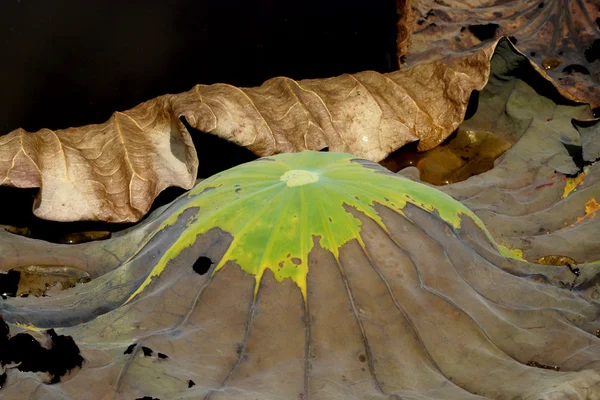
541, 195
113, 171
414, 291
561, 37
109, 172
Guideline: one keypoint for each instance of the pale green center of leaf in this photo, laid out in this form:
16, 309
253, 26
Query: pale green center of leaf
299, 177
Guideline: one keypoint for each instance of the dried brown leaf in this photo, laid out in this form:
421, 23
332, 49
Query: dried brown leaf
113, 171
109, 172
562, 37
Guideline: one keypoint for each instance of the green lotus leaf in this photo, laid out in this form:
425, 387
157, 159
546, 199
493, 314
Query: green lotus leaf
331, 278
274, 208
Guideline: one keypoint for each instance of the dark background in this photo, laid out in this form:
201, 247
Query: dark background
73, 62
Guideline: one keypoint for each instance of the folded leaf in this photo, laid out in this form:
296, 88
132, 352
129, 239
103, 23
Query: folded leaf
108, 172
113, 171
562, 38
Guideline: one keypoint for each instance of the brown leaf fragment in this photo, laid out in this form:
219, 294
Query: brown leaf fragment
367, 114
113, 171
109, 172
562, 37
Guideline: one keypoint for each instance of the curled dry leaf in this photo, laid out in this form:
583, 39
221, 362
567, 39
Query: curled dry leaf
108, 172
562, 37
113, 171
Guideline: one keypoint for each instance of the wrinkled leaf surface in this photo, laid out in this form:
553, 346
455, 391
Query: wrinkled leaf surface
561, 37
113, 171
331, 278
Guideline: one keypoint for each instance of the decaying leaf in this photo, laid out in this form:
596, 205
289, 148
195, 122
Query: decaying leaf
313, 275
113, 171
562, 37
109, 172
541, 194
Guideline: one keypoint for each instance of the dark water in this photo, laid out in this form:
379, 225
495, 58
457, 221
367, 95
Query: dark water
70, 63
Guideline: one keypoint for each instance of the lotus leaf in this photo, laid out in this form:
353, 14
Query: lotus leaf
326, 277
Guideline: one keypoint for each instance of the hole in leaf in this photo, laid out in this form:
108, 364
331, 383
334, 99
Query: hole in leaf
576, 154
130, 348
576, 68
551, 63
202, 265
191, 383
9, 283
592, 53
543, 366
162, 356
557, 260
147, 351
61, 357
484, 32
